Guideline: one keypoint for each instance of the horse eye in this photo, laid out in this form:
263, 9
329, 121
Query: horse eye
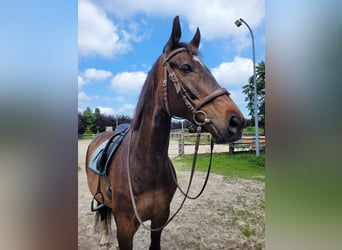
185, 68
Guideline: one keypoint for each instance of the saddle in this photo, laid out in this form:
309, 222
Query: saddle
103, 155
100, 162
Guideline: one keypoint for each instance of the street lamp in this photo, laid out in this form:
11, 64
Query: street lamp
238, 23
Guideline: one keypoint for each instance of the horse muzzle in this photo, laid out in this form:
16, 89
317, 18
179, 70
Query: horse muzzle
229, 133
236, 124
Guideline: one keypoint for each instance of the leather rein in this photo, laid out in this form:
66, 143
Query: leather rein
195, 109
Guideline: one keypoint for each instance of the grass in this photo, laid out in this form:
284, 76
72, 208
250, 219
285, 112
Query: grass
239, 165
190, 139
252, 129
242, 165
247, 232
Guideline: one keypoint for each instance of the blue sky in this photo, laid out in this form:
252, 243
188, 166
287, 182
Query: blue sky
119, 41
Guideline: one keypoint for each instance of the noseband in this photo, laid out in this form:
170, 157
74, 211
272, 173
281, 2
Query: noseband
180, 89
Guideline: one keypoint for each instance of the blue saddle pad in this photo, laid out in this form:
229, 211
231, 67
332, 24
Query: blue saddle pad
103, 155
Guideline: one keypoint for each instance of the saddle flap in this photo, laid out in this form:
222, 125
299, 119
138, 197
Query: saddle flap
103, 155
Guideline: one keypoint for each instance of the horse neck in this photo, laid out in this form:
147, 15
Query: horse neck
151, 124
153, 136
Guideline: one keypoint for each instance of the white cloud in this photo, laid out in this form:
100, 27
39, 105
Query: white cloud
97, 35
92, 74
114, 98
97, 74
234, 73
124, 109
106, 110
239, 99
120, 99
82, 96
215, 18
80, 82
128, 106
128, 81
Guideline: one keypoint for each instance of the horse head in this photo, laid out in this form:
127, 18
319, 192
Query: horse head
190, 90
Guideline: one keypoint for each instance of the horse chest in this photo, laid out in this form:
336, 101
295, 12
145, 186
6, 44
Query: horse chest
152, 201
150, 183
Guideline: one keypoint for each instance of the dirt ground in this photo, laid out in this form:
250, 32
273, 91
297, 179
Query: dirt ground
230, 214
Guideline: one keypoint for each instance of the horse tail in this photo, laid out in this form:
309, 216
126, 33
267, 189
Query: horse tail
103, 216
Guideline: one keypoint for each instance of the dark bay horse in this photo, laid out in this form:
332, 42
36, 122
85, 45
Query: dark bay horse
178, 84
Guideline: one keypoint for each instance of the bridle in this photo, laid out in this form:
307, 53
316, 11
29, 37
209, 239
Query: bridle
195, 109
181, 90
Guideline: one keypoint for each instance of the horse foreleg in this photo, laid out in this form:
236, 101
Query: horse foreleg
155, 240
126, 228
158, 222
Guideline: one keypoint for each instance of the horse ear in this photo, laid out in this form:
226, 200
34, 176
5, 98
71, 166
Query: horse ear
196, 39
175, 35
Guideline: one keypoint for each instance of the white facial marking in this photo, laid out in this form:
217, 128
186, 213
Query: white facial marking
196, 58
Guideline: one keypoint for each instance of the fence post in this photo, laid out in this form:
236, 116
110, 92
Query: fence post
231, 149
181, 145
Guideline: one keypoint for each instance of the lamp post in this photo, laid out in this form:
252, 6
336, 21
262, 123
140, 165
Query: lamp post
238, 23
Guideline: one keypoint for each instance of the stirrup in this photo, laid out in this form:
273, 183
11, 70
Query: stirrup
94, 209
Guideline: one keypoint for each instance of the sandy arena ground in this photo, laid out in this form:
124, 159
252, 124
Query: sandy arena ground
229, 215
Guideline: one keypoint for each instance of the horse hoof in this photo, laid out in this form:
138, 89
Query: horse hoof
104, 245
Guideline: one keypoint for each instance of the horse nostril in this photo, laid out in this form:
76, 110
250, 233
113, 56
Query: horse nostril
234, 124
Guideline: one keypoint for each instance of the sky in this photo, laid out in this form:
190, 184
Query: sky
119, 41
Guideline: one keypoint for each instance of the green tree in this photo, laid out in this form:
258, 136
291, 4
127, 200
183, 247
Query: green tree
102, 121
89, 116
248, 90
97, 112
82, 123
90, 122
119, 119
90, 119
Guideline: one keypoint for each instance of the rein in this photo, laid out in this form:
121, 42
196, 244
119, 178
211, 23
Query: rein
186, 193
195, 109
132, 195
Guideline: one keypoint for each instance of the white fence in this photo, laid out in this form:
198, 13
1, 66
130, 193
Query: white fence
184, 144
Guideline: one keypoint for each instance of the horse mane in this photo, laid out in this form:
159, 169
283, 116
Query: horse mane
146, 95
147, 91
